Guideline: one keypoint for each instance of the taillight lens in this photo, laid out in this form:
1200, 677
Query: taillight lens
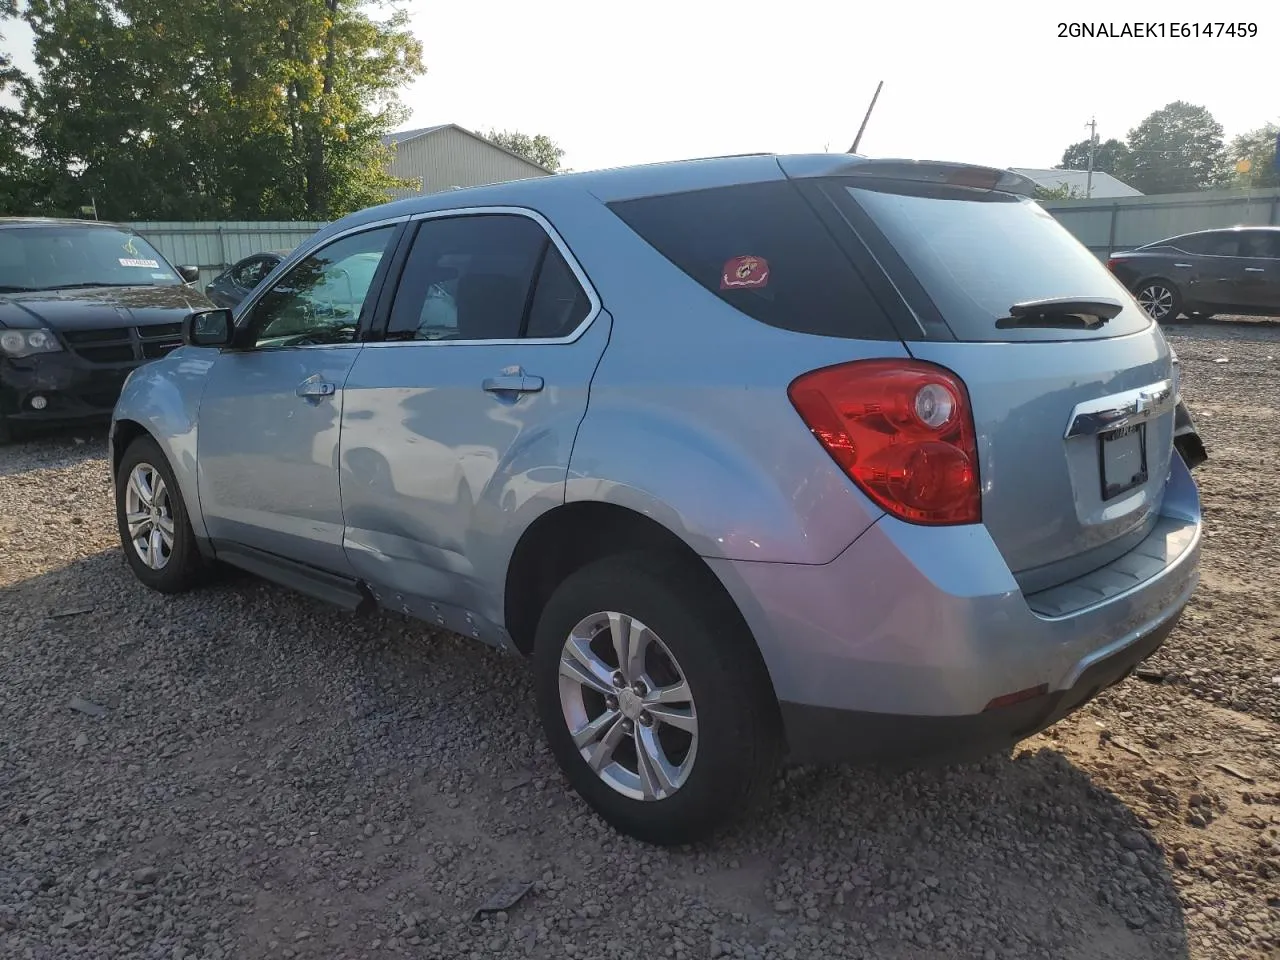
1114, 262
902, 430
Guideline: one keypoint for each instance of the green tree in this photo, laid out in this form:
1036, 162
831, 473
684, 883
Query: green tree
539, 148
18, 190
236, 109
1176, 149
1063, 191
1110, 156
1258, 147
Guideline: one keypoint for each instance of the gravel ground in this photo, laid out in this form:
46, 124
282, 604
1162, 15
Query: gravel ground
242, 772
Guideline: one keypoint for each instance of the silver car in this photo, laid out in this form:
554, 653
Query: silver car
754, 458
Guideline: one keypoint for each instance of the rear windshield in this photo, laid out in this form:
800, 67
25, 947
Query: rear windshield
60, 257
976, 253
762, 249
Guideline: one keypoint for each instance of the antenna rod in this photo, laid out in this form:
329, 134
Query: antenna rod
1093, 146
858, 139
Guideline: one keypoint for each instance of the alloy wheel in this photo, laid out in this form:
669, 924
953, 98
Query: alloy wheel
628, 706
149, 515
1157, 300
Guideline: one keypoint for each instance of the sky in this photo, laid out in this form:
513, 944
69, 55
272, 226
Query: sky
617, 82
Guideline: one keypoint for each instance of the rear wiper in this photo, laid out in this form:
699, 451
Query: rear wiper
1063, 312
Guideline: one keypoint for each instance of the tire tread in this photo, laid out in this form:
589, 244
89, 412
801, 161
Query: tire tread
727, 651
185, 568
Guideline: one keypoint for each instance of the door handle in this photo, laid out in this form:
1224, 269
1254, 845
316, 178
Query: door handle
1187, 265
311, 389
1254, 270
512, 383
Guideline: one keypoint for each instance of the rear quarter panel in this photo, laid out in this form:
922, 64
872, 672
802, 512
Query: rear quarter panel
689, 421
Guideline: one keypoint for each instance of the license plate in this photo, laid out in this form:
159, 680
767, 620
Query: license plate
1122, 460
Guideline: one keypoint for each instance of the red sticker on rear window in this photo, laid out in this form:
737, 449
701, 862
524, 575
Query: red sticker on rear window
745, 273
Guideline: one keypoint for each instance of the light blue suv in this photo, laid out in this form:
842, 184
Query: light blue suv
757, 457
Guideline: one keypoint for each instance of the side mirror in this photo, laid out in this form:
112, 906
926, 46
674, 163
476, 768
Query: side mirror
208, 328
189, 274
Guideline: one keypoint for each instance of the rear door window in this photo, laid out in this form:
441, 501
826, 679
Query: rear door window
467, 278
486, 277
761, 248
1216, 244
1260, 244
965, 256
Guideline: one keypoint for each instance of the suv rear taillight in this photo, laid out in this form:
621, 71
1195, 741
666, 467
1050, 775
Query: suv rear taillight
902, 430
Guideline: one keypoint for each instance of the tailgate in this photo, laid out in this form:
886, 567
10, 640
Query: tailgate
1074, 442
1070, 381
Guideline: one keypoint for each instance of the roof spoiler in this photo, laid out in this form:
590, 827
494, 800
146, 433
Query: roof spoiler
918, 171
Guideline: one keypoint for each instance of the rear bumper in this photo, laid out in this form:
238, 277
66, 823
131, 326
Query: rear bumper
1186, 437
72, 388
895, 649
824, 734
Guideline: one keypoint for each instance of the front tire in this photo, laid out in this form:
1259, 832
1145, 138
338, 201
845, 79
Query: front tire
1160, 299
155, 529
654, 699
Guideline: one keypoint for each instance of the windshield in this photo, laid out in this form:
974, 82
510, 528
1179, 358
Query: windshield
977, 253
65, 256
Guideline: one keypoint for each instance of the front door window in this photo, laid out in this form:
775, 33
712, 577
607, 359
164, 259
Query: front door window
323, 298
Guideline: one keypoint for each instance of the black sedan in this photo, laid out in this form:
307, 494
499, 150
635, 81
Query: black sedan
1235, 270
82, 304
235, 283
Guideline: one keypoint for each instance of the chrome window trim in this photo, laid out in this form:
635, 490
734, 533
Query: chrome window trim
297, 256
596, 306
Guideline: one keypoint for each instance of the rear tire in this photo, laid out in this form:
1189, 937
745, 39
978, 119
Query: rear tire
1160, 299
159, 543
715, 758
6, 434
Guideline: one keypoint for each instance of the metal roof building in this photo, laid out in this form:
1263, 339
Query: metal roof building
447, 156
1104, 184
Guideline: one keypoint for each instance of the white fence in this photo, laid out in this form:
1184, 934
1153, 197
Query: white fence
215, 246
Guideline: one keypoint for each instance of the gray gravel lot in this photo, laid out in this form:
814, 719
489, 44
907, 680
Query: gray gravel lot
248, 773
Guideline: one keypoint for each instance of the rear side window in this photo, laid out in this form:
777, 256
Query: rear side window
969, 255
1263, 244
1208, 244
559, 302
761, 249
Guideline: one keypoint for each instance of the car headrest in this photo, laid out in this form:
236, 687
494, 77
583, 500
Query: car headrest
489, 306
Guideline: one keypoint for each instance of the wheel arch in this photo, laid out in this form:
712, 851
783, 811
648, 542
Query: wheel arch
123, 433
126, 430
566, 538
